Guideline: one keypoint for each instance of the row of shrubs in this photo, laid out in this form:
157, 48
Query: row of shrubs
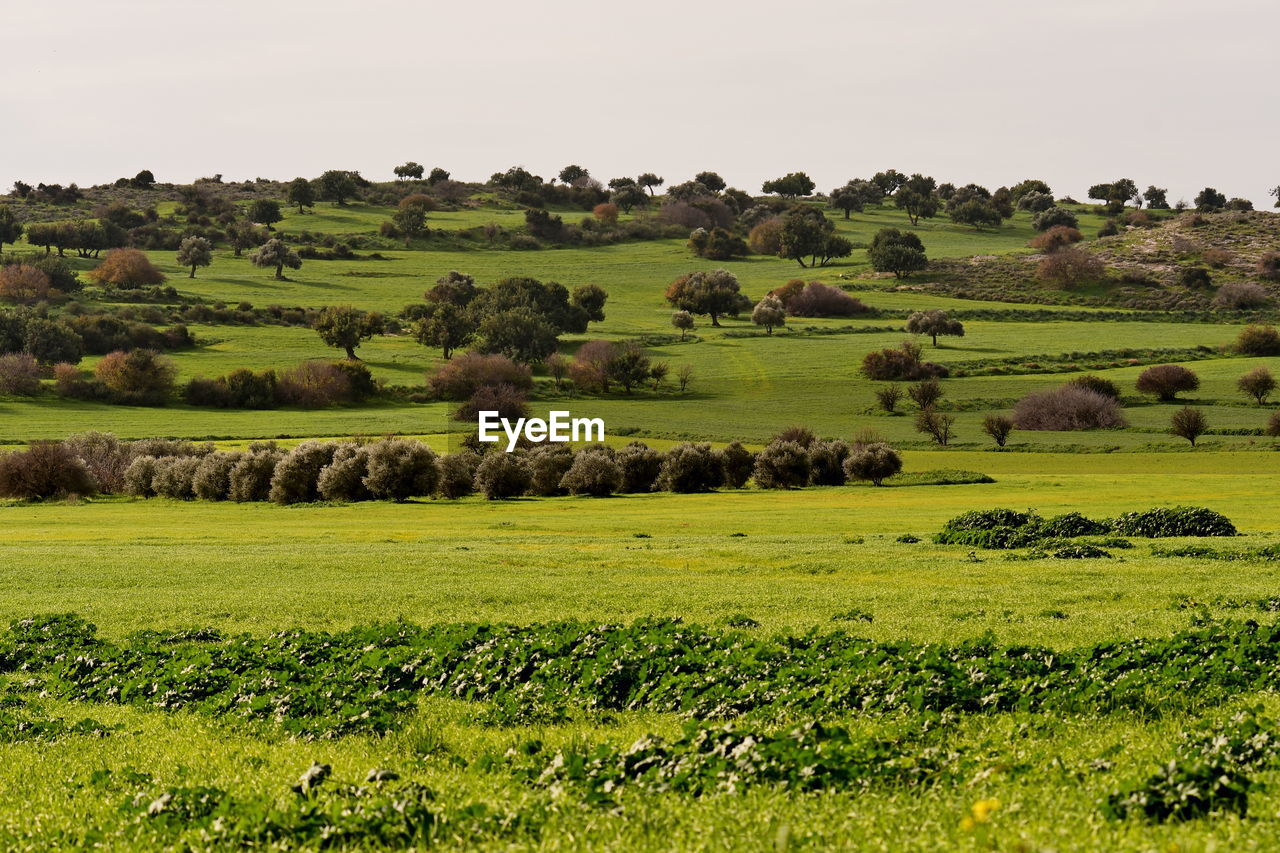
397, 469
1009, 528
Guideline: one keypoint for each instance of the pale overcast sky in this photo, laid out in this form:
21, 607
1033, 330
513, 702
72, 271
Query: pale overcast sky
1172, 92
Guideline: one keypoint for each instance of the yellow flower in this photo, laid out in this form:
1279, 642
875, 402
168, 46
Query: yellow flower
967, 824
982, 810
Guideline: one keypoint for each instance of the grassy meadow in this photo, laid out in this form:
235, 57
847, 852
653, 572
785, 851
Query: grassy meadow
160, 765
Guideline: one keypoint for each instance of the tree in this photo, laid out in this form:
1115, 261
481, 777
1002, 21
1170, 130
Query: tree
683, 321
409, 170
1189, 423
888, 181
572, 174
410, 218
446, 326
1157, 197
274, 253
141, 377
10, 227
1053, 217
649, 180
935, 424
126, 268
895, 251
1256, 339
711, 181
143, 180
854, 196
791, 185
918, 198
51, 342
301, 193
1035, 202
933, 323
718, 244
344, 327
437, 176
520, 334
628, 196
875, 462
888, 397
591, 299
998, 427
684, 376
713, 293
806, 232
1164, 381
337, 185
454, 287
769, 313
243, 234
1258, 384
974, 212
925, 393
1115, 195
264, 211
629, 366
1031, 185
1210, 199
195, 252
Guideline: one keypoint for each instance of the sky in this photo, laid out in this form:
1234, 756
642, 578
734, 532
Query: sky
1176, 93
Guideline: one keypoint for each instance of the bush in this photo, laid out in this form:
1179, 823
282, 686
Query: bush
888, 398
801, 435
250, 479
639, 465
1054, 217
461, 377
138, 476
1258, 384
1174, 521
999, 428
508, 402
547, 466
606, 212
19, 375
1070, 267
126, 268
1105, 387
736, 464
457, 474
826, 462
782, 465
1258, 340
901, 364
46, 469
1269, 266
936, 425
212, 480
1195, 278
1070, 407
295, 477
766, 237
23, 284
590, 368
926, 393
1273, 425
141, 377
501, 476
104, 455
343, 478
174, 477
314, 385
821, 300
690, 468
1057, 237
1189, 423
594, 472
398, 469
1241, 296
874, 462
1216, 258
1166, 380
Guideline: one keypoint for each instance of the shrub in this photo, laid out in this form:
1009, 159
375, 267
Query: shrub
457, 474
999, 428
1196, 278
19, 375
104, 455
606, 212
1258, 384
822, 300
174, 477
547, 466
295, 476
461, 377
1258, 340
925, 393
736, 464
501, 476
782, 465
138, 476
398, 469
936, 425
826, 462
766, 237
1070, 407
690, 468
23, 284
874, 462
1189, 423
901, 364
1241, 296
1273, 425
590, 368
212, 480
343, 478
1057, 237
801, 435
888, 397
1216, 258
507, 401
1070, 267
639, 465
126, 268
1269, 266
1054, 217
141, 377
1105, 387
314, 385
1166, 380
594, 472
250, 479
1174, 521
46, 469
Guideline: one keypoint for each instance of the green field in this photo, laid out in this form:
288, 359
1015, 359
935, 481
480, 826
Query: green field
761, 570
